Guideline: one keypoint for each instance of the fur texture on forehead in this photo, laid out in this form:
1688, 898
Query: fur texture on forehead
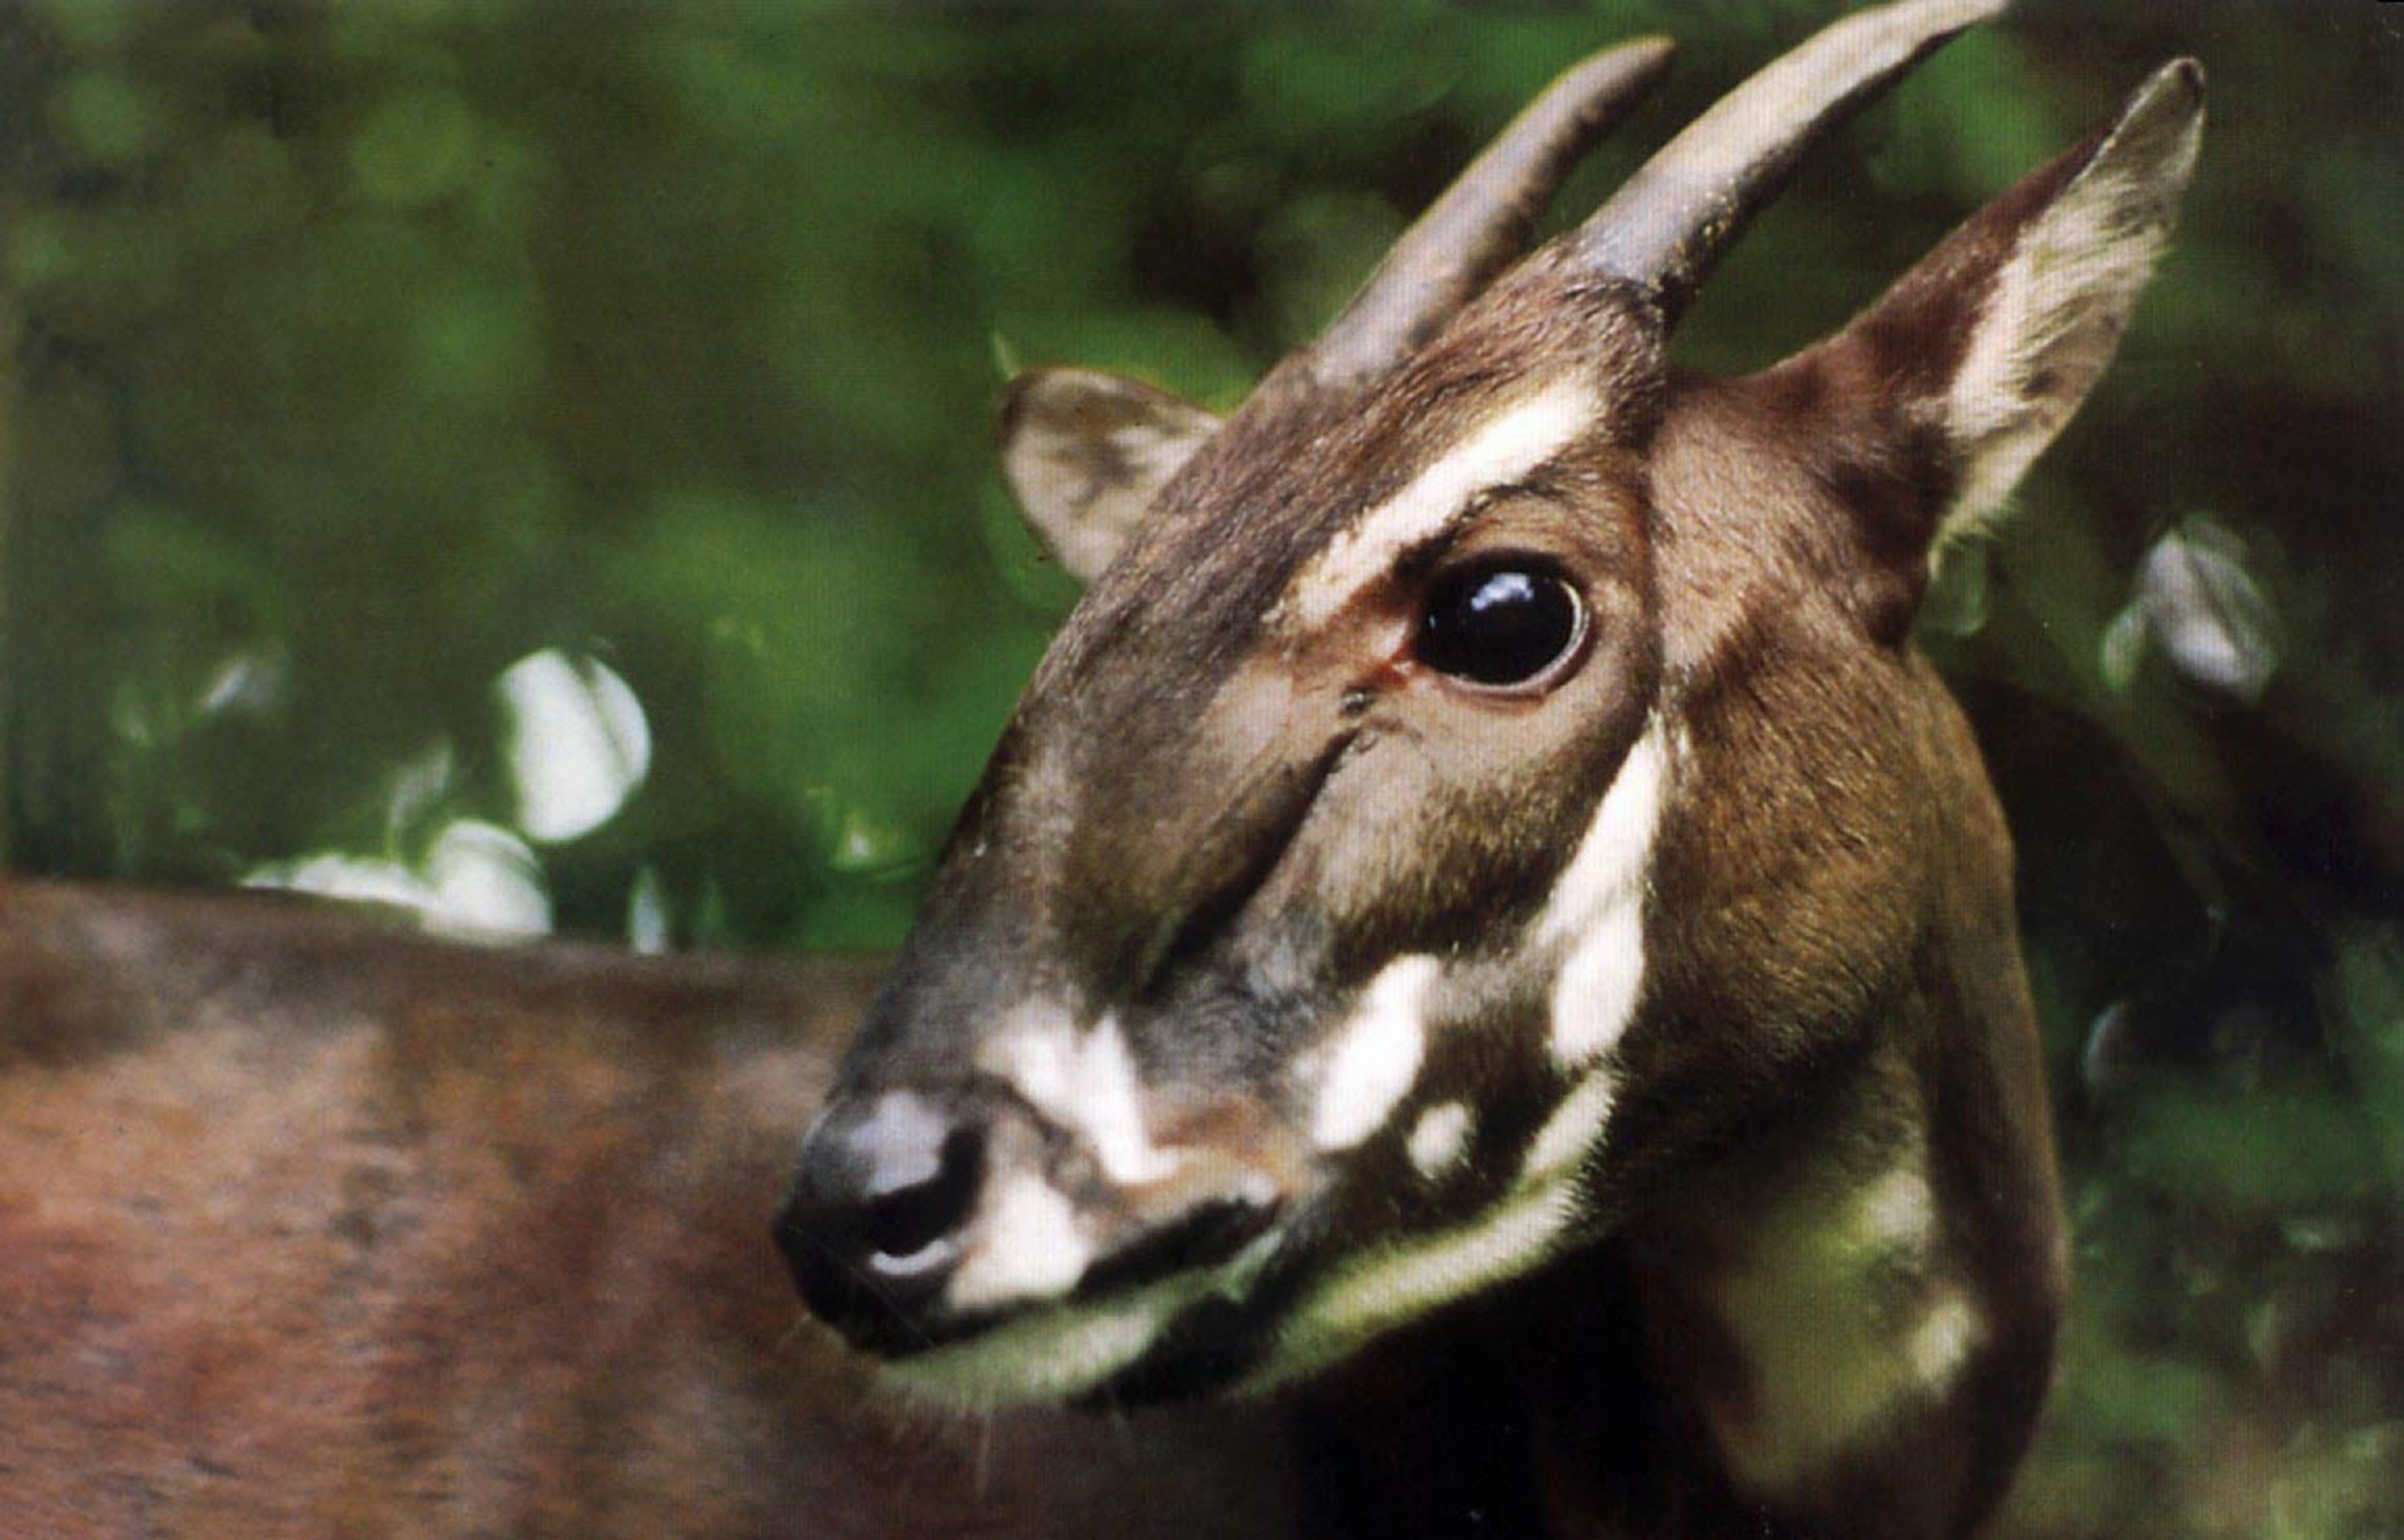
1292, 469
1157, 685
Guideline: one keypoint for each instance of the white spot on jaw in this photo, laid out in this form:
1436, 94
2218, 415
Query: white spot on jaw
1375, 1057
1597, 908
1503, 449
1029, 1247
1574, 1127
1844, 1319
1895, 1212
1084, 1081
1595, 913
1440, 1138
1942, 1340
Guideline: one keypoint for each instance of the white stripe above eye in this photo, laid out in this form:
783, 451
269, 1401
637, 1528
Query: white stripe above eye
1503, 449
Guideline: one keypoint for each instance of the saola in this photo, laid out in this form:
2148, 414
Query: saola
1484, 889
1483, 941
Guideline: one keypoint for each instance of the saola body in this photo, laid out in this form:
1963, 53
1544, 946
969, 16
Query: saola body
1484, 848
314, 1230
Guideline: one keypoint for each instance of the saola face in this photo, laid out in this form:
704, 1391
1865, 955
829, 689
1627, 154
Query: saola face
1470, 788
1267, 897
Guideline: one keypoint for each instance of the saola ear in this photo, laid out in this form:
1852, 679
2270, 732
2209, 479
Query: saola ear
1993, 341
1087, 452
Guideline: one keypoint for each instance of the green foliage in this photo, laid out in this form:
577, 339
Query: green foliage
363, 351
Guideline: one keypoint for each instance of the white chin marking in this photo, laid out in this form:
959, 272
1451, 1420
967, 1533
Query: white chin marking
1047, 1357
1440, 1138
1064, 1351
1385, 1288
1597, 908
1028, 1247
1503, 449
1084, 1081
1374, 1056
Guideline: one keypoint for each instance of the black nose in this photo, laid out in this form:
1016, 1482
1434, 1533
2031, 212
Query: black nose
871, 1228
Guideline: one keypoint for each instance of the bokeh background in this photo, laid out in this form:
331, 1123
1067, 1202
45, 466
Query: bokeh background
531, 464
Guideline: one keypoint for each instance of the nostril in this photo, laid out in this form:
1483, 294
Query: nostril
916, 1203
871, 1230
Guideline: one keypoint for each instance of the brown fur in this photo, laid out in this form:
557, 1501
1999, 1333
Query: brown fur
310, 1229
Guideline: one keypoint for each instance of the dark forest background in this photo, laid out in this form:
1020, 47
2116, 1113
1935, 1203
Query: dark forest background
531, 463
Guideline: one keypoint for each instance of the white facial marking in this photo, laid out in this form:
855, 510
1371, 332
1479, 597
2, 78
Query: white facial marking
1052, 1355
1942, 1340
1597, 908
1503, 449
1841, 1322
1384, 1288
1574, 1127
1084, 1082
1440, 1138
1029, 1246
1896, 1212
1375, 1057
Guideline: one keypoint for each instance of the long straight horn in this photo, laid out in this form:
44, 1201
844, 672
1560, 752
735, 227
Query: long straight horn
1666, 227
1481, 222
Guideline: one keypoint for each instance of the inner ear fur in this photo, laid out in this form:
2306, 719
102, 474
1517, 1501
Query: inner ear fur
1085, 453
1981, 353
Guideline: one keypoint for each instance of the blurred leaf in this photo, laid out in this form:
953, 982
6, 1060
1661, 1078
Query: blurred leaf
2213, 623
2370, 1035
2250, 1154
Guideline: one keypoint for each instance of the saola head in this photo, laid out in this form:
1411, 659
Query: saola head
1479, 776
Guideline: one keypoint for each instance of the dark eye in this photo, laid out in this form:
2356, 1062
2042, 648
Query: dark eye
1500, 623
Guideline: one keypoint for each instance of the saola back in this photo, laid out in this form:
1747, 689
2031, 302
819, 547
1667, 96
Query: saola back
311, 1228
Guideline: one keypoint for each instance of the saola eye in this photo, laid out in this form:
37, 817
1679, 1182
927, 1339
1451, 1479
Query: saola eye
1501, 622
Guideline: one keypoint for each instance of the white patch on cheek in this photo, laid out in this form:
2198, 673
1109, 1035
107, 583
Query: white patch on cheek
1374, 1057
1399, 1281
1440, 1138
1896, 1212
1029, 1247
1084, 1083
1597, 909
1502, 450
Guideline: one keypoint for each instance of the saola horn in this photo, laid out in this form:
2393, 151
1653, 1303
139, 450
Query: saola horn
1670, 222
1482, 221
